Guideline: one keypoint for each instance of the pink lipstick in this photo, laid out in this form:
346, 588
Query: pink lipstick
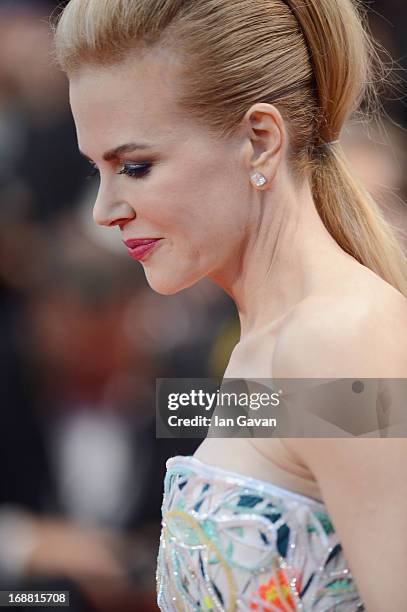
139, 247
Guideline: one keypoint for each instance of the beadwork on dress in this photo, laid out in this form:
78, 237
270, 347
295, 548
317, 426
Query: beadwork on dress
231, 542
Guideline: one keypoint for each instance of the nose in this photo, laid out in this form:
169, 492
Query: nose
110, 212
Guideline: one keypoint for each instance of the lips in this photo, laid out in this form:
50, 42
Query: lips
139, 247
132, 243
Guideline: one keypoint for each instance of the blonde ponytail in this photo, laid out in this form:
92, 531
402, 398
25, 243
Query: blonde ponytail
356, 221
347, 70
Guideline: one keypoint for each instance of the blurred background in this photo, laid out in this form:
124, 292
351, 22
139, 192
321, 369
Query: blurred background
83, 337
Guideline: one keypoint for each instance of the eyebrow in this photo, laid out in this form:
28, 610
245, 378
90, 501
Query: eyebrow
117, 151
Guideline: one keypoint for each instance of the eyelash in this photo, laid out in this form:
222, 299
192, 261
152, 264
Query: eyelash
132, 170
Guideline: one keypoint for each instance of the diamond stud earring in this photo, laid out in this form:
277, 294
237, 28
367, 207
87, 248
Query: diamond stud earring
258, 179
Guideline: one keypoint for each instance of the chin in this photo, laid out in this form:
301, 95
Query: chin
169, 284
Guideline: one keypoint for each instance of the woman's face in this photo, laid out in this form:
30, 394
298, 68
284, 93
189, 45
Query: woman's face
187, 189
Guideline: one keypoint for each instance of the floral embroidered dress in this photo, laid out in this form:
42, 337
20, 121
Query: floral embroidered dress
230, 542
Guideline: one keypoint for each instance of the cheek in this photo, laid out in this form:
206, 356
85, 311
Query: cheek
198, 208
178, 205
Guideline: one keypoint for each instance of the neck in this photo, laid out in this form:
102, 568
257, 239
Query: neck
287, 255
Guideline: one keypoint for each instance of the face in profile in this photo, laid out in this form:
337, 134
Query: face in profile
179, 184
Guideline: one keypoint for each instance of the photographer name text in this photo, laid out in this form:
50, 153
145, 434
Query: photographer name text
215, 421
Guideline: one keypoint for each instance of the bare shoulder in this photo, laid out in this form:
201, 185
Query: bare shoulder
359, 332
362, 480
364, 488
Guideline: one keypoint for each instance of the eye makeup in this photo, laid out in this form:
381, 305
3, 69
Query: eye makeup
131, 169
135, 170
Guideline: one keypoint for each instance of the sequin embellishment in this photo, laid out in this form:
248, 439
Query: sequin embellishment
231, 543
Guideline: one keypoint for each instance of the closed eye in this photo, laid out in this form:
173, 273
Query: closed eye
135, 170
130, 169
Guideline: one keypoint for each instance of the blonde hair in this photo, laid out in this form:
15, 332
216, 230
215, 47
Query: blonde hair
315, 60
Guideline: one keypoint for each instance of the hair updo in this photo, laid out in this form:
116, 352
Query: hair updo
315, 60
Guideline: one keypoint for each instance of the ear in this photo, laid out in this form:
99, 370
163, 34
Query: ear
265, 132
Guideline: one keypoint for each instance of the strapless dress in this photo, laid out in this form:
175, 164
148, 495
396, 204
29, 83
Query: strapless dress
231, 542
